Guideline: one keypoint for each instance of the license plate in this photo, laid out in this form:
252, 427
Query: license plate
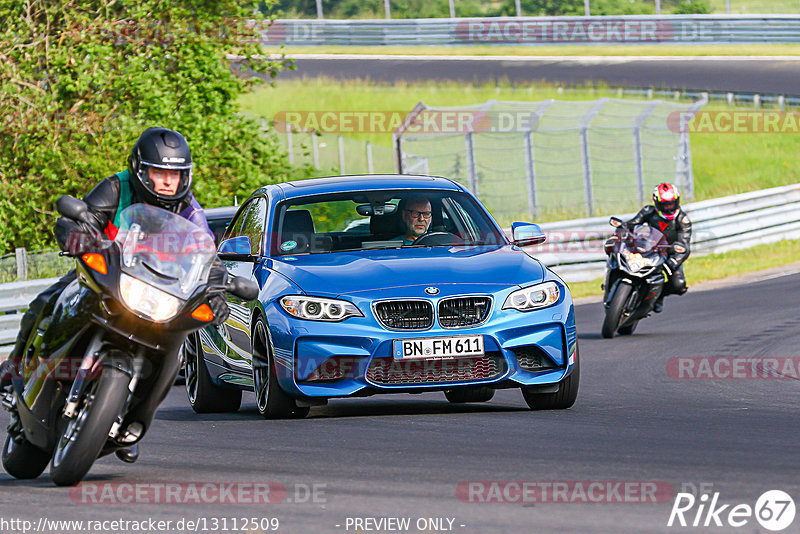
438, 347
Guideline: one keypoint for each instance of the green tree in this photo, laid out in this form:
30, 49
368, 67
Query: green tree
80, 80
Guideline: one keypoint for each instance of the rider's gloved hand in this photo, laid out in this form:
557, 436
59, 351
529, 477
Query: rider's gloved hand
672, 263
219, 307
218, 275
79, 243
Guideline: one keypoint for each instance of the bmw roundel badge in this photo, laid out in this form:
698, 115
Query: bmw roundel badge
432, 290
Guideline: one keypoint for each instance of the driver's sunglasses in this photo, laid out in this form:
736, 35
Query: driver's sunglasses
426, 215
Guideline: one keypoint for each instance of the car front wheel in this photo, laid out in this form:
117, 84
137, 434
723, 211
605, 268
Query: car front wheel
271, 400
561, 399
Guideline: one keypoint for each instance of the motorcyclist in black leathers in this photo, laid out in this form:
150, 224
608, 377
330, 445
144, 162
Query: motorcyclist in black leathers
159, 173
666, 216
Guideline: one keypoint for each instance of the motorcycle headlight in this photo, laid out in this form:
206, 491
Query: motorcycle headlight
534, 297
637, 262
147, 300
319, 309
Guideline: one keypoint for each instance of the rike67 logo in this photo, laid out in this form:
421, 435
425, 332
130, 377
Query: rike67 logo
774, 510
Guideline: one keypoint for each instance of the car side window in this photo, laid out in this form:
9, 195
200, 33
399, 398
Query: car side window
254, 224
236, 224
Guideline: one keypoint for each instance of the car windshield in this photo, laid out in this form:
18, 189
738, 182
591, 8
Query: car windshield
382, 219
164, 250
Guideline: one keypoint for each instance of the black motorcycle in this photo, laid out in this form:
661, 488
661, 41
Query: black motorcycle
634, 275
101, 360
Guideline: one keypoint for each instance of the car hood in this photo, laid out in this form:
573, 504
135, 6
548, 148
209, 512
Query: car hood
341, 273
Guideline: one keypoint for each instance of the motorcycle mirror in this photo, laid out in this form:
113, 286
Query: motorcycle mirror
616, 223
72, 208
243, 288
677, 247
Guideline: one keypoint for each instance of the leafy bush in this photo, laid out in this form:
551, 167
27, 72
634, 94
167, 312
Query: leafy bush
80, 80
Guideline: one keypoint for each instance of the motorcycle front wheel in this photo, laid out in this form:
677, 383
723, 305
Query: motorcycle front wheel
84, 435
615, 309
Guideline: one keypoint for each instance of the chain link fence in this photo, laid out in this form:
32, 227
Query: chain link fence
332, 153
556, 160
22, 265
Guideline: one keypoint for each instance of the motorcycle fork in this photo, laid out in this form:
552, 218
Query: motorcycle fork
138, 365
91, 366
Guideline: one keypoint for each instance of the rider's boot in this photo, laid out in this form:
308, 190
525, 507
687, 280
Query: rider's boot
129, 454
659, 304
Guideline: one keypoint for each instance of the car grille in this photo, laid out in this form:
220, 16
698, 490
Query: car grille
463, 311
532, 359
388, 371
405, 314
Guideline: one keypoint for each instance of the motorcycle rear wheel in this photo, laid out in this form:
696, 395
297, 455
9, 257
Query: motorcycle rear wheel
22, 459
84, 435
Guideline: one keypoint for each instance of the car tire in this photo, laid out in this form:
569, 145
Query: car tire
561, 399
272, 402
615, 309
204, 395
461, 395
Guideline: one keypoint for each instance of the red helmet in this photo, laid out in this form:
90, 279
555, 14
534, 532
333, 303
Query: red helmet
667, 200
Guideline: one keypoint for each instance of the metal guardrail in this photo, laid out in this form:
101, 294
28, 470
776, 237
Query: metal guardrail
631, 29
14, 299
575, 248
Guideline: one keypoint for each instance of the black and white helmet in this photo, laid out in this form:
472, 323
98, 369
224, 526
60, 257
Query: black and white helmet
164, 149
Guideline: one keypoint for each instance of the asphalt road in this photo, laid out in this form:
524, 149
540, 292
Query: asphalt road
769, 76
404, 456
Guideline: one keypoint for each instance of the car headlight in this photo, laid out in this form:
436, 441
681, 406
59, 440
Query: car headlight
533, 298
147, 300
319, 309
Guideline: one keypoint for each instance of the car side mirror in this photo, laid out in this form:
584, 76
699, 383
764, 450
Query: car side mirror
236, 249
527, 234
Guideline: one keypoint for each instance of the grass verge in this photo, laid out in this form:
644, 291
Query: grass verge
717, 266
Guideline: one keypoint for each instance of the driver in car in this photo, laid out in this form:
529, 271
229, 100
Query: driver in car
416, 214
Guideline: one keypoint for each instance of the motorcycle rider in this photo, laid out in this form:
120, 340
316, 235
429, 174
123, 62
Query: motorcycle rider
159, 173
666, 216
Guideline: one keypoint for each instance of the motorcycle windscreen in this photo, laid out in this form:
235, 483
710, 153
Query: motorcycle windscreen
164, 250
645, 238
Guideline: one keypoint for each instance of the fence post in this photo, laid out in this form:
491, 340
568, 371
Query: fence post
289, 143
518, 7
22, 263
638, 159
370, 170
315, 149
683, 171
530, 161
319, 9
472, 177
586, 163
341, 155
530, 173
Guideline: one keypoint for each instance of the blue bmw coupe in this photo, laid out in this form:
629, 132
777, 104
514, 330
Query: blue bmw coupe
382, 284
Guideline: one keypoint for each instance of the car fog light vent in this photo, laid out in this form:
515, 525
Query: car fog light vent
533, 359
